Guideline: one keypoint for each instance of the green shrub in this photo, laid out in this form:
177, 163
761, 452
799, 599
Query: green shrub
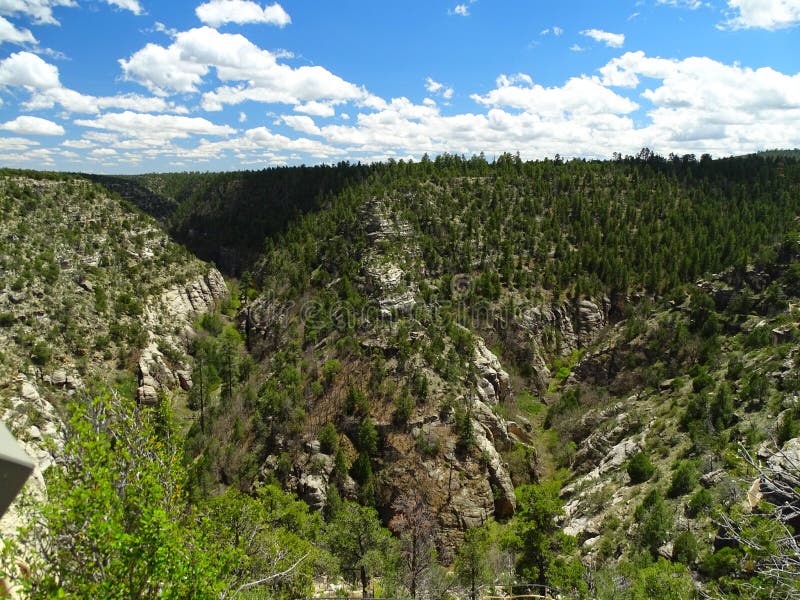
640, 469
569, 400
702, 381
758, 338
41, 353
212, 323
356, 402
661, 581
128, 305
735, 368
788, 427
403, 408
700, 502
420, 386
464, 428
723, 562
721, 408
328, 439
428, 444
330, 370
684, 549
655, 521
684, 479
367, 438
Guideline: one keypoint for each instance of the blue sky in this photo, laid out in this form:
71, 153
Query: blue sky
126, 86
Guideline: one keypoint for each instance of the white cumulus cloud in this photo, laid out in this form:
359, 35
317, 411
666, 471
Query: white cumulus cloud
763, 14
26, 125
16, 144
27, 69
701, 103
163, 70
612, 40
690, 4
580, 95
41, 79
248, 72
9, 33
438, 89
155, 129
40, 11
301, 123
131, 5
219, 12
75, 102
316, 109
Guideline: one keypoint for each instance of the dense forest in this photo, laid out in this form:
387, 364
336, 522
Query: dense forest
562, 374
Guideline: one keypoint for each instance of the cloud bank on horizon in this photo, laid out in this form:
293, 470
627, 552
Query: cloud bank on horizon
134, 85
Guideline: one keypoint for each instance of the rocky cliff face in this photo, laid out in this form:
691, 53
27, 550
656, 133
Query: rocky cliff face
464, 482
537, 333
390, 255
463, 487
37, 427
36, 422
168, 321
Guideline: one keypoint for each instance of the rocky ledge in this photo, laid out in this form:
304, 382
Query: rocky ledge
168, 319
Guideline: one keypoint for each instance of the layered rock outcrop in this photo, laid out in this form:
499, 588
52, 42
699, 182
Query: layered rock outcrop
463, 486
384, 269
536, 332
168, 319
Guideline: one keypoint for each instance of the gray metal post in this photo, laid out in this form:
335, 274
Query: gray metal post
15, 468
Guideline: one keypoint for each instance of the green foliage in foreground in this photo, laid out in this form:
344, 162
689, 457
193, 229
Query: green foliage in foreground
118, 523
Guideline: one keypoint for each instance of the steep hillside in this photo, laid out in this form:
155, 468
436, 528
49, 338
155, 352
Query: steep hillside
93, 294
416, 332
663, 415
225, 217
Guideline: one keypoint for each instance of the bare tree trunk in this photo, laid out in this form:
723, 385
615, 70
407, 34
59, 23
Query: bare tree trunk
364, 582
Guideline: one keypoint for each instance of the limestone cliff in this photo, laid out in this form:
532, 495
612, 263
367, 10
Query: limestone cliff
168, 320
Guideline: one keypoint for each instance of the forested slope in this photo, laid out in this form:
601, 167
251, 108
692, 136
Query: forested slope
415, 332
531, 363
225, 217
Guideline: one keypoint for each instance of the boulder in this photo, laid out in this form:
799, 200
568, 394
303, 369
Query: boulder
615, 458
34, 433
712, 478
314, 490
607, 446
59, 378
590, 319
386, 284
582, 528
74, 382
29, 392
490, 423
147, 394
